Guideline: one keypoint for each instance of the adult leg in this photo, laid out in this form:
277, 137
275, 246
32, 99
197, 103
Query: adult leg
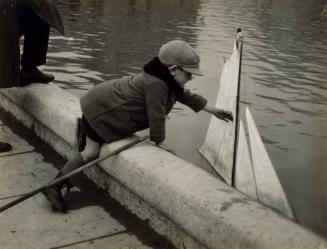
53, 194
36, 38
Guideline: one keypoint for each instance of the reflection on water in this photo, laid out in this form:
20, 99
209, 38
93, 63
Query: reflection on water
284, 78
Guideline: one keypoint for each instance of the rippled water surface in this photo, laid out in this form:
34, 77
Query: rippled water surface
284, 78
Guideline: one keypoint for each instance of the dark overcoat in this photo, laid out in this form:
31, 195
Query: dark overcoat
118, 108
9, 45
47, 11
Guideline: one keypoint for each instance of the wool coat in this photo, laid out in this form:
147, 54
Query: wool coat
46, 10
118, 108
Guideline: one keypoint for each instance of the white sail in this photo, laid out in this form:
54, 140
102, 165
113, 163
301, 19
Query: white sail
218, 146
269, 188
254, 173
244, 176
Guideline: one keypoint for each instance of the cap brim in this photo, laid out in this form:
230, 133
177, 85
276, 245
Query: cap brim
192, 70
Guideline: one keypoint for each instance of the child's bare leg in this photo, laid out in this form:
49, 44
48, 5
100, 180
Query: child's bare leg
90, 152
53, 194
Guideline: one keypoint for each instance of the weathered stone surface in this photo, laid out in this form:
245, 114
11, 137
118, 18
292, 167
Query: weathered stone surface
181, 201
32, 224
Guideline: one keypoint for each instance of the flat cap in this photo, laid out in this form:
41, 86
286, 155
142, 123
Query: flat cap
181, 54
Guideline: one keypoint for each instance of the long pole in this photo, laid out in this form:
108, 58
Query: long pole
72, 173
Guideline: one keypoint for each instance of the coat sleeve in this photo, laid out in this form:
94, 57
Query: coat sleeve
156, 95
194, 101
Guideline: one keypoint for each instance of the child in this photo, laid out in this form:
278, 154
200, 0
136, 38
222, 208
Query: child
118, 108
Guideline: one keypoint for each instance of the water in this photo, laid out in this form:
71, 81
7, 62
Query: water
284, 79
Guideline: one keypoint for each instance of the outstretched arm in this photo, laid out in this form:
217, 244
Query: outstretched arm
219, 113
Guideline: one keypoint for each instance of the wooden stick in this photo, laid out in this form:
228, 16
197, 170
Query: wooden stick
72, 173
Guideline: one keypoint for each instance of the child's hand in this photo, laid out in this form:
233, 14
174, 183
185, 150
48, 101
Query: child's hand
224, 115
219, 113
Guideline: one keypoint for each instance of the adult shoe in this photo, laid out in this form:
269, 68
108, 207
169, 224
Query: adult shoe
34, 75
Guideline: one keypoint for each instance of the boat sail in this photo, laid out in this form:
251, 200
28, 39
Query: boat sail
241, 164
218, 147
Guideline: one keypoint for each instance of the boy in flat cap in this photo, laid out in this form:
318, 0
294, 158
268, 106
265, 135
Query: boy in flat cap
118, 108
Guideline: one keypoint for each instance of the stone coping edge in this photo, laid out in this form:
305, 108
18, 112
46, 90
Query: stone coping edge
179, 200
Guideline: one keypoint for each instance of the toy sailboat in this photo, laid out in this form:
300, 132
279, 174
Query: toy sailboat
241, 164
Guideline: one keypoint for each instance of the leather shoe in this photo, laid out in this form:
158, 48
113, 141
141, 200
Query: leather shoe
54, 196
4, 147
35, 76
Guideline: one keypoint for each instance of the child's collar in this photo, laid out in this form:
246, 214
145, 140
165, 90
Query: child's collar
156, 68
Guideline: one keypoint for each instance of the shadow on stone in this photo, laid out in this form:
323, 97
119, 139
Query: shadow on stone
88, 194
80, 199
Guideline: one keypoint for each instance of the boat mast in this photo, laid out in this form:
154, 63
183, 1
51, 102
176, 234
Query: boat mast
239, 45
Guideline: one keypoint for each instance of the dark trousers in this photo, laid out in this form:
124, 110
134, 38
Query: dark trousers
36, 36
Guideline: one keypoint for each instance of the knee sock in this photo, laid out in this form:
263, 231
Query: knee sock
72, 164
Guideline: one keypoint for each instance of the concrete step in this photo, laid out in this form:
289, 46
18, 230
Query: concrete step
93, 220
177, 199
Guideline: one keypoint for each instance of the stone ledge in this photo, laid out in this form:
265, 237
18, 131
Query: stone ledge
181, 201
